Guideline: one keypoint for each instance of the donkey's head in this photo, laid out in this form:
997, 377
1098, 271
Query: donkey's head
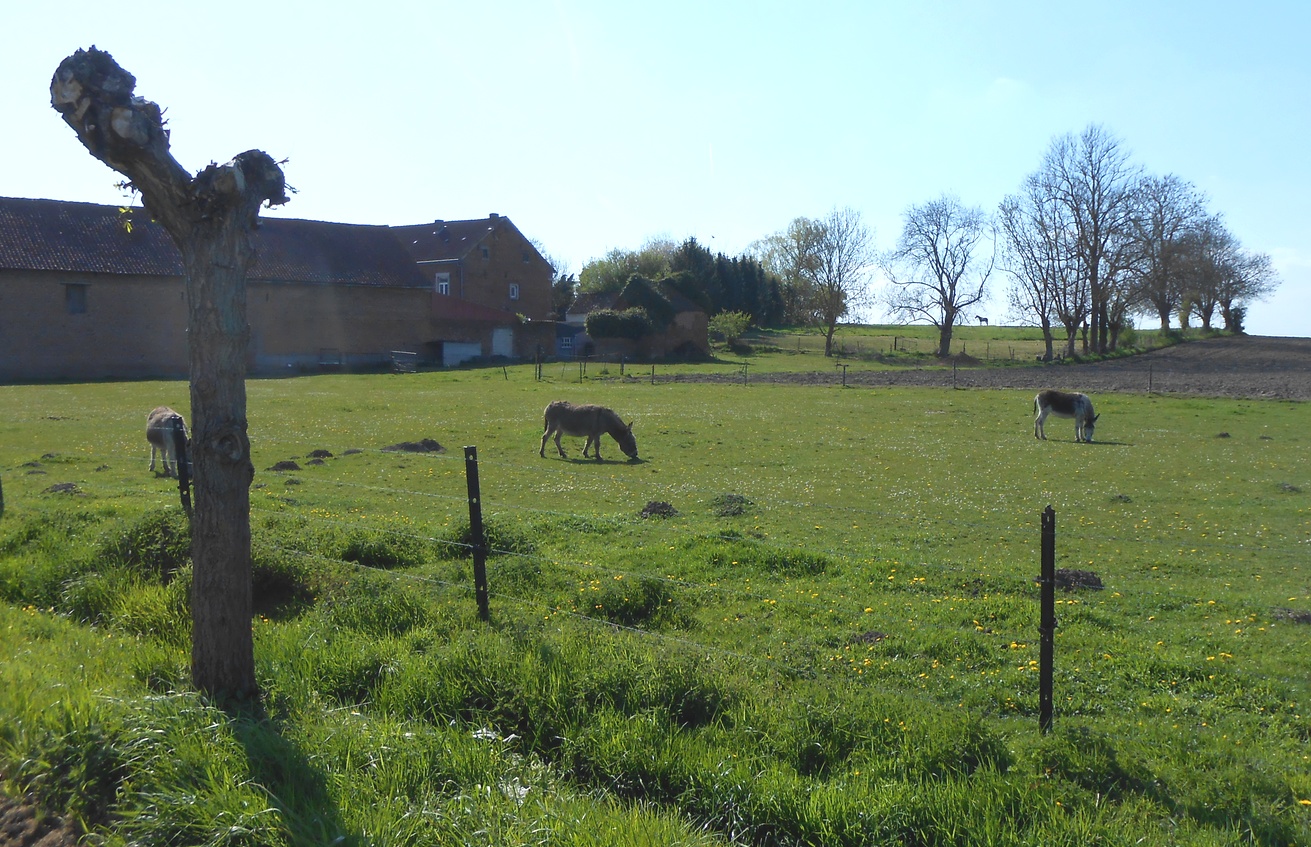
626, 441
1088, 426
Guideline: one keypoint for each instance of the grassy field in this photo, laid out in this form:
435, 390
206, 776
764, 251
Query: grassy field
830, 637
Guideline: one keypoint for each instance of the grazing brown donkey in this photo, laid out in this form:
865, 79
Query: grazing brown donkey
564, 418
161, 425
1064, 404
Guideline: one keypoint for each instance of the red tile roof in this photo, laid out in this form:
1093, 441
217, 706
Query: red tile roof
450, 241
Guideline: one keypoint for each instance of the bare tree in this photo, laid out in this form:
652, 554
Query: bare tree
1167, 211
1253, 278
1222, 276
937, 270
1034, 256
842, 262
211, 217
1092, 177
1211, 257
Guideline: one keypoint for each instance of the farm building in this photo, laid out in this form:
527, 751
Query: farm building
684, 334
90, 291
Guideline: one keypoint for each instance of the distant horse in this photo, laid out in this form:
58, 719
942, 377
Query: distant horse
981, 319
564, 418
162, 427
1064, 404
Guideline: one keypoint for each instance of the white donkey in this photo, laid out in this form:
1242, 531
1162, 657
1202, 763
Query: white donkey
1065, 404
161, 425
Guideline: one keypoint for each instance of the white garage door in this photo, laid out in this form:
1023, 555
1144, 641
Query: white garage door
503, 342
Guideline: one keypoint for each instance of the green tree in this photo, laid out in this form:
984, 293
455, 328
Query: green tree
564, 290
731, 325
612, 272
792, 257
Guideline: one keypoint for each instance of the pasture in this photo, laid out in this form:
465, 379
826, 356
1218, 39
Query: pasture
827, 636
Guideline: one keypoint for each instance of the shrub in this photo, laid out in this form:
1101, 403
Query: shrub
280, 580
383, 550
375, 606
500, 537
635, 602
157, 545
731, 325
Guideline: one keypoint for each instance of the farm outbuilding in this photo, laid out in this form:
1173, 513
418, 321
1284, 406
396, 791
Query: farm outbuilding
90, 292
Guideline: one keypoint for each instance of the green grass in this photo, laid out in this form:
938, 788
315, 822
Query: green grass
832, 641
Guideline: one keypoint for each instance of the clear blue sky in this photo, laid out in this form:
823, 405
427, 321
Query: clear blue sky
596, 124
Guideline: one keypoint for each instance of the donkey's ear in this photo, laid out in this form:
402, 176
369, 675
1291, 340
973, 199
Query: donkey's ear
1096, 416
630, 425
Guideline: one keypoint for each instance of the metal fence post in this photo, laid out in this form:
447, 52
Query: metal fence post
1047, 624
182, 456
476, 530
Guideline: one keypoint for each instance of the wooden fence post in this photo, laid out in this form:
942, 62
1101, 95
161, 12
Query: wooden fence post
1047, 623
476, 530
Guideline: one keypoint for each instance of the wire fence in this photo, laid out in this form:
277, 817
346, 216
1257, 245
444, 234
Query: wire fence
853, 613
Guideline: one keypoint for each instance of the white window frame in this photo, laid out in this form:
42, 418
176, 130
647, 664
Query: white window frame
442, 283
514, 291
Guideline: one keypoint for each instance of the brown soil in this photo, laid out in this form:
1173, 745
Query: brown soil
20, 826
1243, 366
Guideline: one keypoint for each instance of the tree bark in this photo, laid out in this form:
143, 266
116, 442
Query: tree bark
211, 218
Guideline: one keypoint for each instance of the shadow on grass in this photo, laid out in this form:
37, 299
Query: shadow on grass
295, 786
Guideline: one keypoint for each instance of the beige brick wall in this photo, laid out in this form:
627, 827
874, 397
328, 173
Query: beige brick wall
132, 327
136, 327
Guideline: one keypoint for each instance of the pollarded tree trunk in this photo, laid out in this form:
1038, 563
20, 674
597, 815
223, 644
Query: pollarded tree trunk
211, 218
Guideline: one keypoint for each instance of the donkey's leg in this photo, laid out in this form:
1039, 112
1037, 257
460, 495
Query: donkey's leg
152, 457
1038, 430
558, 433
545, 435
170, 457
596, 446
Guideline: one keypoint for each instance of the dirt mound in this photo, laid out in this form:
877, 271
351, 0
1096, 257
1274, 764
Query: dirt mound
427, 445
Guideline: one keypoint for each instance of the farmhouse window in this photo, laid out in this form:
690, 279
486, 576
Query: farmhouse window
567, 343
443, 283
514, 291
75, 299
487, 252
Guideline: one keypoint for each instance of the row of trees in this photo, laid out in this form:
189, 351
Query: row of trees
1088, 242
